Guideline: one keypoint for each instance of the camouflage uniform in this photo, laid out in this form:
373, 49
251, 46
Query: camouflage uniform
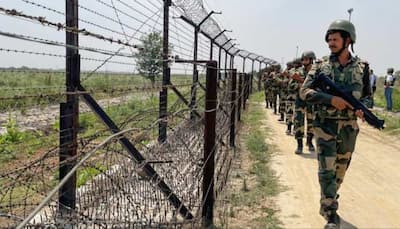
301, 108
270, 92
335, 131
292, 90
280, 82
266, 87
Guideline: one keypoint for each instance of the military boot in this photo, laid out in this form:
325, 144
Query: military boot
333, 221
274, 108
310, 145
282, 118
289, 129
299, 149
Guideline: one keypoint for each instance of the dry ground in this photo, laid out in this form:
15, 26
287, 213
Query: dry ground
369, 196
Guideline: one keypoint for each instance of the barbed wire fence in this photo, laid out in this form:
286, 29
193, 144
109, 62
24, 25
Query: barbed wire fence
86, 141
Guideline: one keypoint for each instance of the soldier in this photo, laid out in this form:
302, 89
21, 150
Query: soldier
292, 91
274, 76
280, 82
270, 91
335, 123
267, 85
302, 108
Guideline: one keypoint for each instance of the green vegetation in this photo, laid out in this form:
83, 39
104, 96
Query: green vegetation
140, 112
149, 58
86, 174
24, 88
266, 184
379, 96
392, 122
16, 142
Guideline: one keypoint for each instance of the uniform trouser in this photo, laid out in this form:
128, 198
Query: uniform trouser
272, 100
289, 111
282, 103
335, 145
302, 111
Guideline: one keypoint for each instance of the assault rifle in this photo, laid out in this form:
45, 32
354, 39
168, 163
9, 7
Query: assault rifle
326, 85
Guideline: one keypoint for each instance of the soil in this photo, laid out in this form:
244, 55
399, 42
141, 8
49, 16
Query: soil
369, 196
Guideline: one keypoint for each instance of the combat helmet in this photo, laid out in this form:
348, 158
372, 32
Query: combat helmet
308, 54
297, 61
342, 25
276, 66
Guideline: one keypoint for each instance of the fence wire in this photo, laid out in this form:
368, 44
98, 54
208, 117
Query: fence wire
112, 187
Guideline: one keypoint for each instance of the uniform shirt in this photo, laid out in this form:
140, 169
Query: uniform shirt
348, 77
293, 85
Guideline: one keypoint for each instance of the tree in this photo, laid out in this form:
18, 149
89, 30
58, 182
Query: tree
149, 58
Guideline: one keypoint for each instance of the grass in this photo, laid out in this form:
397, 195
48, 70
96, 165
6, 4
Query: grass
19, 146
379, 96
86, 174
266, 183
392, 122
15, 142
22, 89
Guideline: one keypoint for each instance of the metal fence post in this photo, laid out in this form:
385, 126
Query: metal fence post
219, 63
226, 66
195, 74
69, 113
248, 84
163, 106
240, 97
259, 77
233, 108
251, 77
209, 144
245, 88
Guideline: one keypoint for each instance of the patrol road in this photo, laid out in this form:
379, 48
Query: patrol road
369, 196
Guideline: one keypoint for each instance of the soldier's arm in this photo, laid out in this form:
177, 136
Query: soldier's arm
312, 95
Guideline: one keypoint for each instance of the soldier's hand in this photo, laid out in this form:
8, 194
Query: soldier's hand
360, 114
340, 103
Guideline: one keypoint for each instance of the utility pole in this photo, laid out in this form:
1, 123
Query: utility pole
350, 11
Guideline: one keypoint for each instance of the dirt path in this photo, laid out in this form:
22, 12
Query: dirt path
369, 196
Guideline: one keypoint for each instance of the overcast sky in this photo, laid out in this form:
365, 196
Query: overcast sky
274, 28
271, 28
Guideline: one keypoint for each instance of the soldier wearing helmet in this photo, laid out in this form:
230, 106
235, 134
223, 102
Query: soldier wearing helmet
292, 89
303, 109
335, 124
389, 83
270, 97
281, 82
275, 77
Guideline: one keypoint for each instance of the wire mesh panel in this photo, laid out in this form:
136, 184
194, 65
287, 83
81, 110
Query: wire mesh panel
82, 85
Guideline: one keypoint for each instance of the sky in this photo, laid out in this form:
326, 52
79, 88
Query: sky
278, 29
